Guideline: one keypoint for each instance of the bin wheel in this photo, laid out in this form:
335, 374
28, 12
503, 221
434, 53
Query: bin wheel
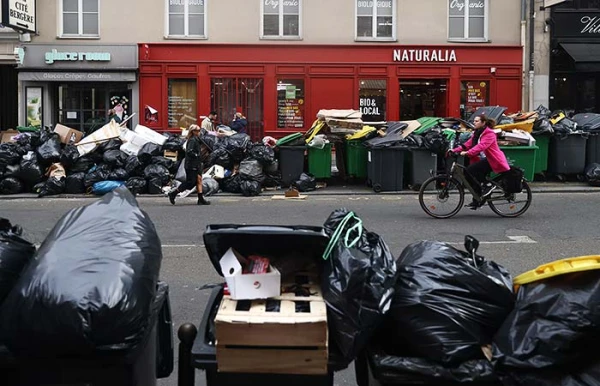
377, 188
561, 177
581, 178
541, 176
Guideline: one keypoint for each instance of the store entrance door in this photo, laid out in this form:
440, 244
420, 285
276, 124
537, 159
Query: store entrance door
245, 95
422, 98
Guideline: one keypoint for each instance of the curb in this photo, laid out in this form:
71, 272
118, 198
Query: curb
324, 192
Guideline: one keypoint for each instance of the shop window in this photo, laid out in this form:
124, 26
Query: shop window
468, 20
290, 104
281, 19
372, 101
473, 95
182, 102
79, 18
422, 98
376, 20
186, 18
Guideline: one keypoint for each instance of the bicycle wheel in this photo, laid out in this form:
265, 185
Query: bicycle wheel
441, 197
511, 205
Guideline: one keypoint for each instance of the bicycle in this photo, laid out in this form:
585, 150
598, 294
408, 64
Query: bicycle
437, 192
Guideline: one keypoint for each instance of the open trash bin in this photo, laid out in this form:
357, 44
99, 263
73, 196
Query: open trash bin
276, 362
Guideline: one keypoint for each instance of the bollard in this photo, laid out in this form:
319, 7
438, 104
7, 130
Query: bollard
186, 333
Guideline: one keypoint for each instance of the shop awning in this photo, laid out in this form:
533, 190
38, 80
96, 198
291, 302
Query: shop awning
585, 55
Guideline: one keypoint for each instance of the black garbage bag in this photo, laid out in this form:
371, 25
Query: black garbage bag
435, 141
15, 254
251, 170
565, 126
550, 330
272, 179
169, 164
543, 112
11, 185
210, 186
97, 174
114, 158
306, 183
9, 154
37, 188
82, 165
264, 154
155, 185
118, 174
157, 171
137, 185
134, 167
31, 172
53, 186
542, 126
237, 146
231, 184
209, 141
69, 156
592, 174
148, 151
445, 307
74, 183
111, 144
250, 188
174, 143
358, 281
12, 170
30, 139
49, 151
91, 287
221, 156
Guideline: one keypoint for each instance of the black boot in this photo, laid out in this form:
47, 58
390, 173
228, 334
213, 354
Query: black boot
173, 195
201, 200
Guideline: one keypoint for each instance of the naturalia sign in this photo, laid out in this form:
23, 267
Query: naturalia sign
55, 56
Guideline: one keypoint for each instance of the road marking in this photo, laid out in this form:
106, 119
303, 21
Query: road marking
513, 240
182, 245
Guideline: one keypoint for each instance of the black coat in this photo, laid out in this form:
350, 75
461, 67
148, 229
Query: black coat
193, 154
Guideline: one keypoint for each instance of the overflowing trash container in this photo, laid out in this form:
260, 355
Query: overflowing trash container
523, 157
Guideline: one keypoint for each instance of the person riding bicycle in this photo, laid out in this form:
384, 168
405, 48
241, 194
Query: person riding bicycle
484, 156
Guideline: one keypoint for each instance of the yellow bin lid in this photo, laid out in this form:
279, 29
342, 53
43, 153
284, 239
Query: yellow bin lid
559, 267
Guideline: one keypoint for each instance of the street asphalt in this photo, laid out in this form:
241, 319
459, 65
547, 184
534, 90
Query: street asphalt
560, 223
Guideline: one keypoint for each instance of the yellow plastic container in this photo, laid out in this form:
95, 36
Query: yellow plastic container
556, 268
523, 125
361, 133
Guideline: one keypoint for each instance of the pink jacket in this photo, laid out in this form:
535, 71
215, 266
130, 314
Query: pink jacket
488, 144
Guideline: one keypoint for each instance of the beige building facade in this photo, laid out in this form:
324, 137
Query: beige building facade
85, 43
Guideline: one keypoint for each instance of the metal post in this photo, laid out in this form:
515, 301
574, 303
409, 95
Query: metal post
186, 333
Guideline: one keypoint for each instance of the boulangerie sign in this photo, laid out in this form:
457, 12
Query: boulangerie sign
576, 24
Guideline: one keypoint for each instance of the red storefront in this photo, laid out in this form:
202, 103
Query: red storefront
280, 88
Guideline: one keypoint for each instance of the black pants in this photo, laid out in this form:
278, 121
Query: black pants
191, 179
479, 170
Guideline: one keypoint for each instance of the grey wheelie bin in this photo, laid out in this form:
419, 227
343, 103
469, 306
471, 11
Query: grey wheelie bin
567, 155
199, 347
385, 168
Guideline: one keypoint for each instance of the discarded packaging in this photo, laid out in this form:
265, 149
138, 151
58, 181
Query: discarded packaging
248, 286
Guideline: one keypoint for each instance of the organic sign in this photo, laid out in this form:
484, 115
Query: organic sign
19, 14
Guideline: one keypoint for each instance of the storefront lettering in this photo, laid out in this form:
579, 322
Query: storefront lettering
76, 76
368, 106
460, 5
424, 55
286, 3
591, 25
379, 4
55, 56
190, 2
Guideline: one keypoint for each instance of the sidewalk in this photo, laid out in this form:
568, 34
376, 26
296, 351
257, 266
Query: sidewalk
351, 190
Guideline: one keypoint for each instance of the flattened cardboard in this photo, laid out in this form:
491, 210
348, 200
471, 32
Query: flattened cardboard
67, 135
8, 136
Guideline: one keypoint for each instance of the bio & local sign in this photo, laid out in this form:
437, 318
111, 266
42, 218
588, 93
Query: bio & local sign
19, 14
55, 56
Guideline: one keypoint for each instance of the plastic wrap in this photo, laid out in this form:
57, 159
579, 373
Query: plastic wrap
91, 286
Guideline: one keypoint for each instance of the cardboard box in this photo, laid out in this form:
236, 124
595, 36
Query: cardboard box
8, 136
150, 135
248, 286
68, 135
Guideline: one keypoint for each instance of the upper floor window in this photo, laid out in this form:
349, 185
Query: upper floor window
79, 18
186, 18
468, 20
376, 20
281, 18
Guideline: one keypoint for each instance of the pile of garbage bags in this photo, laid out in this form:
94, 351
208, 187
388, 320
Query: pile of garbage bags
40, 162
90, 289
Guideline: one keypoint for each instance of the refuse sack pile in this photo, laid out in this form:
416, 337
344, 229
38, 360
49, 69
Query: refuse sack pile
91, 289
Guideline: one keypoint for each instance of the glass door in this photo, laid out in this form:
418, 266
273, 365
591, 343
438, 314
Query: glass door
422, 98
244, 95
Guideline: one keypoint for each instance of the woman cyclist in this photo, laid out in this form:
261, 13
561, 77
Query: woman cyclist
484, 155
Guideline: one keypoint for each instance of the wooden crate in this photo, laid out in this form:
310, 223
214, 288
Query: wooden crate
283, 342
172, 155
